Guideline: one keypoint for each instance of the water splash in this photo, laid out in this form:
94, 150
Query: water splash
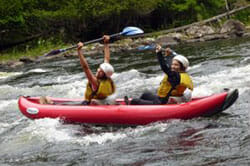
4, 75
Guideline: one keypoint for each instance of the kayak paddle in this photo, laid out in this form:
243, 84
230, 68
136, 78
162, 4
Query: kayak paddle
128, 31
152, 47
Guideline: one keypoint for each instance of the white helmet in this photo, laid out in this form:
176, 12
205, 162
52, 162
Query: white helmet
183, 60
107, 68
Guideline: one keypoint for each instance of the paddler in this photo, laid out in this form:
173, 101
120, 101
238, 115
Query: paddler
100, 86
176, 86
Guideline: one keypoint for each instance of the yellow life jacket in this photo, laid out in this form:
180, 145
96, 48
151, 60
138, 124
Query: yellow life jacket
165, 86
105, 88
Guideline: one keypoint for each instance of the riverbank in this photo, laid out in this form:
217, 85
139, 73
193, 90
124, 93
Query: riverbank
196, 33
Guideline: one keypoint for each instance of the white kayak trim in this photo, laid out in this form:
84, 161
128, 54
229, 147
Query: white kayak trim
32, 110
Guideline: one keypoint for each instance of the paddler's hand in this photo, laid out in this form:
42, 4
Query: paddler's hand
168, 51
158, 48
106, 39
79, 46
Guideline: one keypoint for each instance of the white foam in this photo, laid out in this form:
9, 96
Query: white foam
142, 130
232, 78
3, 127
100, 138
4, 103
4, 75
193, 67
38, 70
133, 82
51, 130
46, 129
7, 105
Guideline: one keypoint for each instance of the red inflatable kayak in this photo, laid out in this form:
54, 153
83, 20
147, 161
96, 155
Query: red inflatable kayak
126, 114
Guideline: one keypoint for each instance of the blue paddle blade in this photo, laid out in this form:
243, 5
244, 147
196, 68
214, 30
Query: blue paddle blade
152, 47
129, 31
147, 47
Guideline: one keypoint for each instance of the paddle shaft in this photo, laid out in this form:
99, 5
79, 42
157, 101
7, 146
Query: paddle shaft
90, 42
128, 31
54, 52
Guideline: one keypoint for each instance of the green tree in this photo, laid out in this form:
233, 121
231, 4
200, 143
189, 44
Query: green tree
71, 20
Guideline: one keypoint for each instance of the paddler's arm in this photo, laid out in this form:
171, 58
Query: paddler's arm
165, 63
90, 76
106, 39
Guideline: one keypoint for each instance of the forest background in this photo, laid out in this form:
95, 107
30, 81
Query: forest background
69, 21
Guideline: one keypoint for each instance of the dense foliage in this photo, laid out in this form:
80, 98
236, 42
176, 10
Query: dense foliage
23, 20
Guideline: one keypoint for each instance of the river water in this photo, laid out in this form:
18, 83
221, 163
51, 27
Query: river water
220, 140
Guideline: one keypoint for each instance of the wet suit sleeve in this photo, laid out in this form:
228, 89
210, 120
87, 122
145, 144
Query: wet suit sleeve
165, 63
